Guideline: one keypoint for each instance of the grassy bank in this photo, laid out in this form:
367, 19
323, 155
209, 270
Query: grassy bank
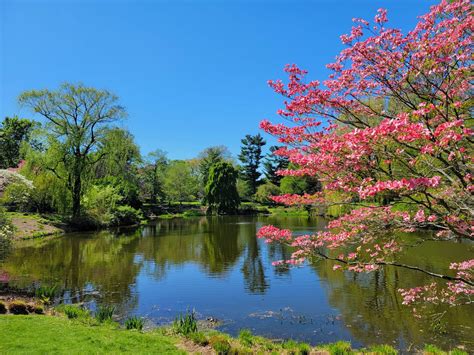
79, 332
46, 334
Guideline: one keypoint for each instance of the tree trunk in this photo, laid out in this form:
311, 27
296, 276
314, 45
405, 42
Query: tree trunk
76, 192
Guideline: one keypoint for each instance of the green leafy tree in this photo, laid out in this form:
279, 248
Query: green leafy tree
180, 182
76, 118
210, 156
154, 171
272, 164
299, 185
119, 164
221, 188
13, 132
265, 191
251, 156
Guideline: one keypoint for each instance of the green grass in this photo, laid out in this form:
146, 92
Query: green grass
43, 334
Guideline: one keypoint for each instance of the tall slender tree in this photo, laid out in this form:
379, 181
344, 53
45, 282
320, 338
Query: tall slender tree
251, 157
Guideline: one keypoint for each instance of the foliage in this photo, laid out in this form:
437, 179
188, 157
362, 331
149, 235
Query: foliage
76, 118
299, 185
180, 183
199, 338
220, 344
6, 234
265, 191
396, 127
18, 197
126, 215
100, 203
273, 164
134, 323
46, 293
221, 189
244, 190
104, 313
14, 132
18, 307
338, 348
154, 175
209, 157
74, 312
246, 337
185, 324
251, 156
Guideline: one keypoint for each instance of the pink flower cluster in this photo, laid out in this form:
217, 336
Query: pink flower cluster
395, 185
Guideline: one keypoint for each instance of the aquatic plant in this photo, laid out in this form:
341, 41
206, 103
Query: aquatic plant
104, 313
134, 323
74, 312
46, 293
185, 323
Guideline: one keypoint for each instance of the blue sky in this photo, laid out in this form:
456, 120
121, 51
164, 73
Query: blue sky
191, 73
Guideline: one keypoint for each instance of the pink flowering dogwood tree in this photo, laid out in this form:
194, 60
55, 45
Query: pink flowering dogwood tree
390, 134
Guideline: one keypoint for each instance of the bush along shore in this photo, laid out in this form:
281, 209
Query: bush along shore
74, 329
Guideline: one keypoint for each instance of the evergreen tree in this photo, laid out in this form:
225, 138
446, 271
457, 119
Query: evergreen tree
251, 156
272, 164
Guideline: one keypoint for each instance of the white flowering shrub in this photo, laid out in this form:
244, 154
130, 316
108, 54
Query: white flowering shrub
16, 191
6, 234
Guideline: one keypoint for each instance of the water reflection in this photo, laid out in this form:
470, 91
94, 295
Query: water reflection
217, 266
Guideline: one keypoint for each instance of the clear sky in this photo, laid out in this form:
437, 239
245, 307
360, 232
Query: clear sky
191, 74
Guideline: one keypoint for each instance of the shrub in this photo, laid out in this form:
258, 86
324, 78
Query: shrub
126, 215
265, 191
134, 323
432, 350
18, 196
199, 338
220, 344
46, 293
3, 308
100, 202
193, 213
339, 348
185, 324
6, 233
18, 307
38, 309
382, 349
304, 349
246, 337
74, 312
104, 313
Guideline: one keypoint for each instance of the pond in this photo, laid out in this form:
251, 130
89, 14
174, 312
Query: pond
217, 266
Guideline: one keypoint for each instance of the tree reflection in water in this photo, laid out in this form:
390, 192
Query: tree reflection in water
223, 253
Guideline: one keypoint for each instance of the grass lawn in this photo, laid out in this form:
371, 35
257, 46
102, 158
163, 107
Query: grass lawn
43, 334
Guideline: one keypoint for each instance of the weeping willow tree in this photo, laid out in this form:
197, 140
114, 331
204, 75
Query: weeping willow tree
221, 189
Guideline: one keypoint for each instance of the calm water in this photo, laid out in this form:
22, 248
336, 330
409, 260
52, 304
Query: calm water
218, 267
